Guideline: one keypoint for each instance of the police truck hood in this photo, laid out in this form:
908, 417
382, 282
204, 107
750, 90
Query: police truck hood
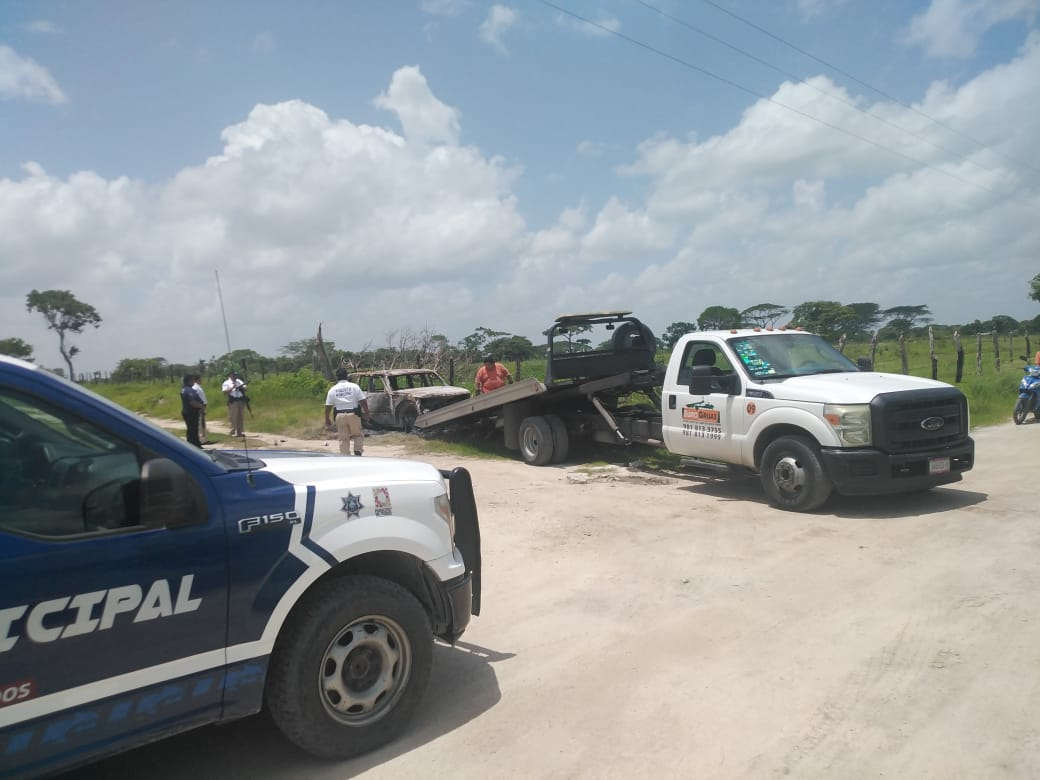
301, 468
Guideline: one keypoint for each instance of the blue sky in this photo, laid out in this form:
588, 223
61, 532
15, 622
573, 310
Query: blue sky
388, 168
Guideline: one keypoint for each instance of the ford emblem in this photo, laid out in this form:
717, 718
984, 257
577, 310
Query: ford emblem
932, 423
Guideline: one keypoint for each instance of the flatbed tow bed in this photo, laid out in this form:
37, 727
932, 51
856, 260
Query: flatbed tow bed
582, 395
525, 388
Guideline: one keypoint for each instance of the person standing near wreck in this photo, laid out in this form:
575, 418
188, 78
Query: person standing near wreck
345, 403
492, 375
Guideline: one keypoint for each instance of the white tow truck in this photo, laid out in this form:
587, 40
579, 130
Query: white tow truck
781, 403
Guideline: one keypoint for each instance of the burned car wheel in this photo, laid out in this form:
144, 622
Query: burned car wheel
406, 418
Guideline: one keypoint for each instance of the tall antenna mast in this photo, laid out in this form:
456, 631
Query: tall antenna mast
223, 316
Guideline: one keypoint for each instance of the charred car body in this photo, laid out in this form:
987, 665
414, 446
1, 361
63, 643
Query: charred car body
397, 396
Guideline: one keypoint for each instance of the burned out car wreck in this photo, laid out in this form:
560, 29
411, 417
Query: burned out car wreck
397, 396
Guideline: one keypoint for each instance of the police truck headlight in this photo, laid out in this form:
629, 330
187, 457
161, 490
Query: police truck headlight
442, 507
850, 422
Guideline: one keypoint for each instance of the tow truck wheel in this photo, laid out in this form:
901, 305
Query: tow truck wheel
349, 667
561, 439
792, 475
536, 441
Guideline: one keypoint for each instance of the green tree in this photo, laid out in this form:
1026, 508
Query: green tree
903, 319
828, 318
1001, 323
16, 348
512, 348
1034, 288
674, 332
137, 369
719, 318
64, 314
475, 343
303, 354
763, 315
868, 315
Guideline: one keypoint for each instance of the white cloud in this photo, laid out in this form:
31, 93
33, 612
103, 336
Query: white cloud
589, 148
308, 219
952, 28
23, 78
264, 42
43, 27
499, 21
443, 7
425, 119
370, 229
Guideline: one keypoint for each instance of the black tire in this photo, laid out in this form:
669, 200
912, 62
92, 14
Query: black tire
407, 417
536, 441
561, 439
1019, 415
357, 639
792, 475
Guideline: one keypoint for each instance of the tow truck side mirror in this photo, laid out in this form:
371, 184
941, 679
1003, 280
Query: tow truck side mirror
169, 496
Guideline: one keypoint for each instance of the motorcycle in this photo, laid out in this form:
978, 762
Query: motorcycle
1028, 395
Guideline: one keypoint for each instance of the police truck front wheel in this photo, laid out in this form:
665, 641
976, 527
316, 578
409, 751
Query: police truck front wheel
792, 475
349, 667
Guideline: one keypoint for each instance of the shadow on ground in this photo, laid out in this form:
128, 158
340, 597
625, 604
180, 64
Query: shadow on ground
462, 685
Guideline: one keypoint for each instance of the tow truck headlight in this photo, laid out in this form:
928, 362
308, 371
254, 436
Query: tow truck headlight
851, 423
442, 507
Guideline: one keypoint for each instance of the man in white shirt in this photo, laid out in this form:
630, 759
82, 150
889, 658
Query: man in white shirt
234, 390
345, 402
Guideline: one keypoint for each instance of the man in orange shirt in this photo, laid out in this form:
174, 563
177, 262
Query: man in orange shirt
492, 375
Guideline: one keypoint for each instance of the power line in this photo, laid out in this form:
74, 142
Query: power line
742, 88
848, 75
799, 80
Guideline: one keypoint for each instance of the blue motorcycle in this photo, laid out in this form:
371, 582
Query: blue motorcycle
1028, 395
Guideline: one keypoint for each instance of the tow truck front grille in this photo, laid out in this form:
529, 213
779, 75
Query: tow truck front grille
916, 420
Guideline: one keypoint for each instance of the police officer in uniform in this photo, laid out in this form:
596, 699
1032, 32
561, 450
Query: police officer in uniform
346, 403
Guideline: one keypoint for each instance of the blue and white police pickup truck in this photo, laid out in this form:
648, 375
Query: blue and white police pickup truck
148, 587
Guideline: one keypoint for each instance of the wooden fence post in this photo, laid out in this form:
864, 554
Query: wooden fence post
978, 356
960, 354
841, 343
996, 351
873, 350
902, 353
931, 353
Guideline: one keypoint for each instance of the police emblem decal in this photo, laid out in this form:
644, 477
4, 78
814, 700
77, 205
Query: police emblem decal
352, 505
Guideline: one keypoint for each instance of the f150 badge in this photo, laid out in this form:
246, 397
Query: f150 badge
268, 522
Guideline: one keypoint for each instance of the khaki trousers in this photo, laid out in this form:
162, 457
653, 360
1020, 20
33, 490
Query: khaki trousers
348, 429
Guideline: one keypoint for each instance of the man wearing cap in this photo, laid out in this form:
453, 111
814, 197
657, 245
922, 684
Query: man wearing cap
492, 375
345, 402
234, 390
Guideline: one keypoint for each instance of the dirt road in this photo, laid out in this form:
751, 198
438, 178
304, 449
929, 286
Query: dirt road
687, 629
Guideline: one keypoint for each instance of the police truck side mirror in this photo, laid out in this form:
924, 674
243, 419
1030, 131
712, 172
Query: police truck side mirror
169, 496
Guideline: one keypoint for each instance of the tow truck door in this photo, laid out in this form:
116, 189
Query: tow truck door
709, 426
112, 633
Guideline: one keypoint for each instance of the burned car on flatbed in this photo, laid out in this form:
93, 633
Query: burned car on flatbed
397, 396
